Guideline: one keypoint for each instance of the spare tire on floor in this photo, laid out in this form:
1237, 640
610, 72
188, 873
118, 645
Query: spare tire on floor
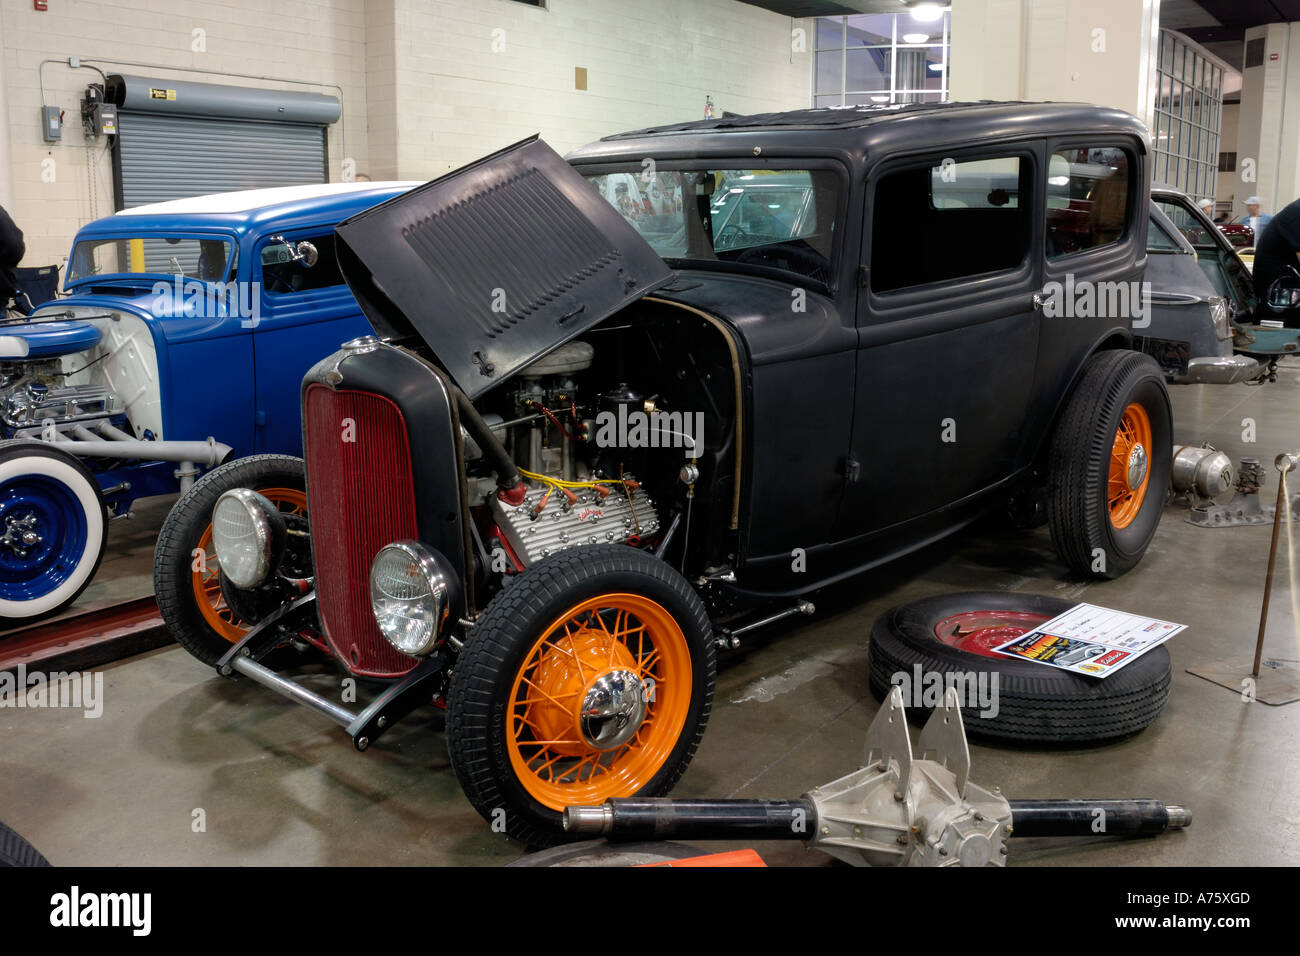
955, 633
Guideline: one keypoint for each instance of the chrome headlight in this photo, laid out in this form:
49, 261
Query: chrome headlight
1219, 314
411, 593
248, 536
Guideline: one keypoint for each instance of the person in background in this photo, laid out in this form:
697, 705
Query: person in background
1277, 254
1207, 206
1254, 218
12, 250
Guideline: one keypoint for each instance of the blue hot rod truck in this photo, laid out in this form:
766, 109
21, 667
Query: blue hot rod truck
186, 329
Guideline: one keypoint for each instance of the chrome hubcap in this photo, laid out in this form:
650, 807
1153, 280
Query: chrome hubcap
613, 708
1137, 467
20, 534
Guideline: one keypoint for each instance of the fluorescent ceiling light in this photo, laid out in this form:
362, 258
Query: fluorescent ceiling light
936, 67
915, 37
926, 12
880, 99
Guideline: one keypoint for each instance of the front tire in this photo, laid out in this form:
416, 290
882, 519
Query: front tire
53, 529
186, 573
589, 676
15, 851
1109, 465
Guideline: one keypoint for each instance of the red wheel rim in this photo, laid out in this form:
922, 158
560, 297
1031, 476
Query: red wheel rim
978, 632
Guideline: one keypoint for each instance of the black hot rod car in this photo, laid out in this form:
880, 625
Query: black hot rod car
594, 437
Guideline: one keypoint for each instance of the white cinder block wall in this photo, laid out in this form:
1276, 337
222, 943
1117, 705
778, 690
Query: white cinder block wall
473, 77
427, 84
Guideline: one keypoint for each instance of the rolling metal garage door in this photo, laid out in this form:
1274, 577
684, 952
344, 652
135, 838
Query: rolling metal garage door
177, 139
171, 157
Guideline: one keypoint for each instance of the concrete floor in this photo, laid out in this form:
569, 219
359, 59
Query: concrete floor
279, 785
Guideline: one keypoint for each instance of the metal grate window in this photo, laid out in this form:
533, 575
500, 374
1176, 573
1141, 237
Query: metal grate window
1188, 116
882, 58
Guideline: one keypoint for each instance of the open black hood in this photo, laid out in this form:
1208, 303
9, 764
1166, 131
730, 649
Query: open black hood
495, 264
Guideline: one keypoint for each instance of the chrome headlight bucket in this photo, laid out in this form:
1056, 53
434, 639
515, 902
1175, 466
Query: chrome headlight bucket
412, 591
248, 535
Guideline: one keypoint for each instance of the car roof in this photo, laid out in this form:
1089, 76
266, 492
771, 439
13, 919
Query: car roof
857, 129
242, 210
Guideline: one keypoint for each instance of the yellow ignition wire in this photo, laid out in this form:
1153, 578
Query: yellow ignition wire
560, 483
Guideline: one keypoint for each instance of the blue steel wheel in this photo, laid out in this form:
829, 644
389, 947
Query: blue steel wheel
53, 528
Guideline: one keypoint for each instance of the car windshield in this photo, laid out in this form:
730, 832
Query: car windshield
193, 257
773, 219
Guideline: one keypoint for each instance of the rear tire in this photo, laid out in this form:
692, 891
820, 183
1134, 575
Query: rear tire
187, 585
1102, 518
533, 657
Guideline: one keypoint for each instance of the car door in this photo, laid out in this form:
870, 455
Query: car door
1214, 253
305, 313
947, 331
1182, 318
1093, 257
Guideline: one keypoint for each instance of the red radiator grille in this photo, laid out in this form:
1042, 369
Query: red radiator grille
362, 496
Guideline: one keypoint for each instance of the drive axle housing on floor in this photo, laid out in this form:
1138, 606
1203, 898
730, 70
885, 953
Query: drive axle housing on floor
897, 809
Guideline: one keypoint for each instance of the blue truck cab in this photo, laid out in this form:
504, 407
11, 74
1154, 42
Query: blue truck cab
181, 341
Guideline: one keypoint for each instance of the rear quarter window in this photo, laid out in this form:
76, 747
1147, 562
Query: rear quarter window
1087, 198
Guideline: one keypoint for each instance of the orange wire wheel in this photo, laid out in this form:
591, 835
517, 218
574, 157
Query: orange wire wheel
1130, 466
205, 577
1108, 464
599, 702
589, 676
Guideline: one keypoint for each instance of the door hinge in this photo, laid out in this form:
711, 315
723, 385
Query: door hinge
864, 275
851, 469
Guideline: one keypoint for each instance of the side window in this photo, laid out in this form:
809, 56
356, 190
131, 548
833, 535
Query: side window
281, 274
951, 221
1191, 227
1087, 199
1158, 240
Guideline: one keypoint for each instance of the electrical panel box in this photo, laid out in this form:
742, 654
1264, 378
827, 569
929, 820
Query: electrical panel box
105, 119
51, 123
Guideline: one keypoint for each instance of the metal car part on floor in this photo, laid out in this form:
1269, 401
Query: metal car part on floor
901, 808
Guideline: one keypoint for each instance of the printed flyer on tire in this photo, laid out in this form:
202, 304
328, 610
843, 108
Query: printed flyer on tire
1091, 640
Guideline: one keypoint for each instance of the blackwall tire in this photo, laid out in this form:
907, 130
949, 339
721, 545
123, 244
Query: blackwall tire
1036, 703
187, 595
510, 687
15, 851
1119, 393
